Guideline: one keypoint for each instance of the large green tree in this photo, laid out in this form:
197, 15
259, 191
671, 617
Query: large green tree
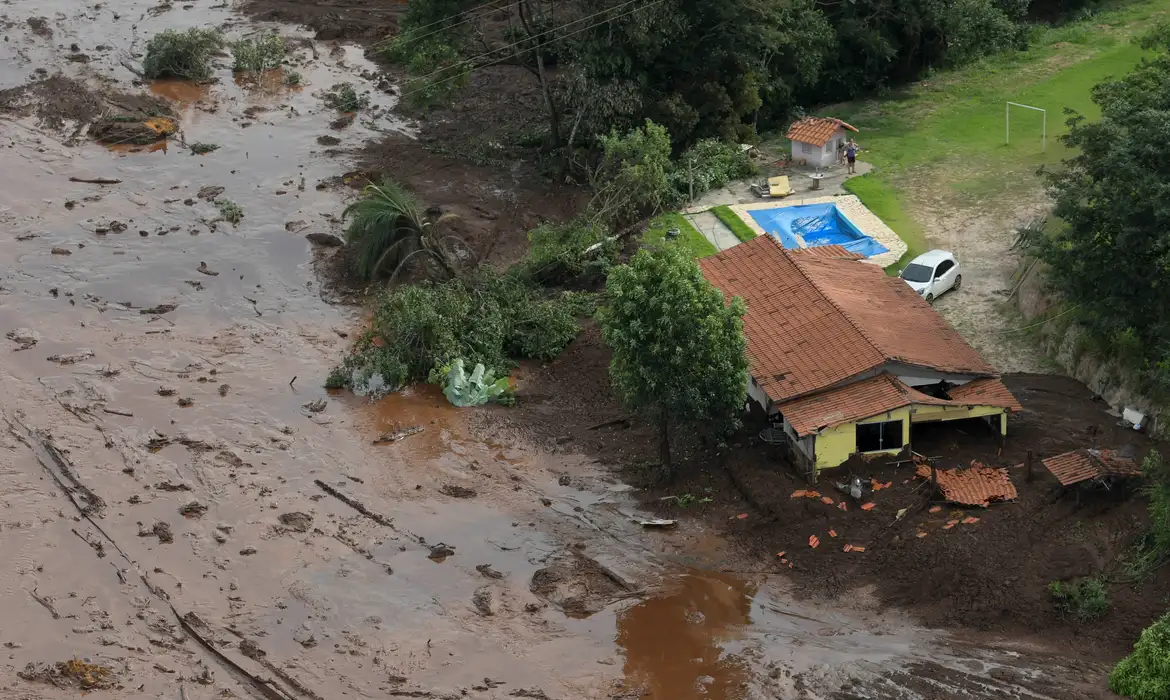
1145, 674
679, 352
1112, 257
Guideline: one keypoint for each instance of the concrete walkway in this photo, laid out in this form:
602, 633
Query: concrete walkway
713, 230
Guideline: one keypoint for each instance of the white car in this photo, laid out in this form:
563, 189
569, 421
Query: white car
931, 274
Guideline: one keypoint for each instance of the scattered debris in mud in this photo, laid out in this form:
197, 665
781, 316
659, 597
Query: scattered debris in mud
455, 491
488, 571
74, 358
300, 522
439, 552
397, 435
577, 585
168, 486
40, 27
325, 240
482, 600
24, 338
159, 310
194, 509
74, 673
160, 529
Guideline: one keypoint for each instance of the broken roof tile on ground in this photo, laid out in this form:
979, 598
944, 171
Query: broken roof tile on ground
1083, 465
977, 486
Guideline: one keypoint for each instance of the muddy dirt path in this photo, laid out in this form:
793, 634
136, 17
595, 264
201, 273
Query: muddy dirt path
184, 505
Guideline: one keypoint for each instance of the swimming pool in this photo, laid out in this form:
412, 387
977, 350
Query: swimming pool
815, 225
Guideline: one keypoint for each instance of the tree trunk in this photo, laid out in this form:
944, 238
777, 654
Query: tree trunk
554, 119
664, 444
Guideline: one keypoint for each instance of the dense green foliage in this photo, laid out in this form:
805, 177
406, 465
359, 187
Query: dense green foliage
708, 165
576, 252
1111, 258
389, 227
1145, 674
175, 54
701, 69
1153, 550
419, 330
264, 52
1085, 599
679, 352
634, 177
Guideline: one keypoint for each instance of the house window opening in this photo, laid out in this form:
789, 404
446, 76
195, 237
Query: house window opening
875, 437
806, 148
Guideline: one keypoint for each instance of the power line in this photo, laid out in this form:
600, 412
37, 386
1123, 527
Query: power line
528, 39
467, 15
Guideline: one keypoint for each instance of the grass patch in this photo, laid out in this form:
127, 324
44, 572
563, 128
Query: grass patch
230, 211
689, 237
264, 52
876, 193
732, 221
188, 55
344, 98
946, 134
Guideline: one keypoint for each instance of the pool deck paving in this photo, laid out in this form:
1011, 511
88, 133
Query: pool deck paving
713, 230
739, 197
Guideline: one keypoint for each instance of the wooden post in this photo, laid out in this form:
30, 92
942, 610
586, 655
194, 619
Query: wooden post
933, 474
1028, 467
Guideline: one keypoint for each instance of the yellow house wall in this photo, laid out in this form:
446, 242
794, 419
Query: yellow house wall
836, 444
833, 446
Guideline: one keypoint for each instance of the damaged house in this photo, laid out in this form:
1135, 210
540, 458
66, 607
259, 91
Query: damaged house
846, 358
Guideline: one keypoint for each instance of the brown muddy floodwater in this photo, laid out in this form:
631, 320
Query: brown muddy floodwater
188, 514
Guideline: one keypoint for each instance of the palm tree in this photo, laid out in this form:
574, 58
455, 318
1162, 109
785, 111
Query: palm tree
390, 228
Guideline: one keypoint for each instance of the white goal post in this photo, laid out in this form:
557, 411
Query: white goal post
1008, 123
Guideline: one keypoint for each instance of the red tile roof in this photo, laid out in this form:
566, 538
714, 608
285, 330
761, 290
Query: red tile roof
1081, 465
827, 251
816, 130
985, 391
977, 486
851, 402
813, 322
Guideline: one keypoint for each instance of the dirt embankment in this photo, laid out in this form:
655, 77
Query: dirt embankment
988, 576
351, 20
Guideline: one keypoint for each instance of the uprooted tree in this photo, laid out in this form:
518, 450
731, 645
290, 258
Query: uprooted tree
679, 353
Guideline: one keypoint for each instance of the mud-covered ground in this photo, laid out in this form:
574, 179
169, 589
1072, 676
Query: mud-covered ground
184, 505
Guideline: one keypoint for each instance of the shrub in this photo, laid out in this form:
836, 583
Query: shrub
293, 78
1086, 599
635, 174
710, 164
264, 52
1145, 674
230, 211
174, 54
389, 226
418, 331
575, 251
436, 71
344, 98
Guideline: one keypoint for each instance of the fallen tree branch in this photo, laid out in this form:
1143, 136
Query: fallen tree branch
355, 504
96, 180
45, 602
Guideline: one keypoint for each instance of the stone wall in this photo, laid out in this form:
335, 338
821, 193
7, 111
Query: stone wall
1065, 341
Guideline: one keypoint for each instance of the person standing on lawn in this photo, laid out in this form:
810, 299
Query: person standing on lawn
851, 156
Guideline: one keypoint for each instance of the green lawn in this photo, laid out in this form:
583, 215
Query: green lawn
690, 238
945, 135
732, 221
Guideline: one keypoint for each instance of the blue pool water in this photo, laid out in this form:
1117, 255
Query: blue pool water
816, 225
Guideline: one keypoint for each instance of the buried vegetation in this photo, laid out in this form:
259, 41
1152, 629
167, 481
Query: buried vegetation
256, 54
187, 55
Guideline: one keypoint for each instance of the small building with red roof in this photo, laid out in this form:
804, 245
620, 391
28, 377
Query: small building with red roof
817, 141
